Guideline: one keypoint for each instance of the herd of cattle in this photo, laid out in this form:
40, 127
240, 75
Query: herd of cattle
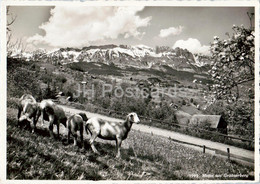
30, 110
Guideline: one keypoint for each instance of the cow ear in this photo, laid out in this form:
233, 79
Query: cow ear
131, 117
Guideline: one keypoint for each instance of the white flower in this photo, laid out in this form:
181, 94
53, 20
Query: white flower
216, 37
249, 38
236, 36
225, 42
234, 26
221, 54
241, 58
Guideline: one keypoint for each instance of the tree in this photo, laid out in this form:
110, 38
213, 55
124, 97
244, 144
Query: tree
12, 45
233, 71
10, 20
233, 63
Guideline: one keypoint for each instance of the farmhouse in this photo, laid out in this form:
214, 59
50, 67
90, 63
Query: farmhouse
212, 122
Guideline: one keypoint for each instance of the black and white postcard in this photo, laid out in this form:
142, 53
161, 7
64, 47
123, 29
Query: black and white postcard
143, 92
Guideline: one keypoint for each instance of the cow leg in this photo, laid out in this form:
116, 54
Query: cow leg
58, 130
34, 124
42, 117
51, 118
69, 132
74, 133
38, 114
18, 116
81, 136
118, 146
91, 141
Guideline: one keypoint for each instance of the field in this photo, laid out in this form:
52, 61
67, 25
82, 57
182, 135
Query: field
144, 157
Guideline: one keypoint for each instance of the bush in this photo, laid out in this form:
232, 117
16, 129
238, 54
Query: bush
239, 116
46, 78
61, 78
49, 92
21, 82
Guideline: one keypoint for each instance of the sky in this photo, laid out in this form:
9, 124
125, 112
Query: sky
192, 28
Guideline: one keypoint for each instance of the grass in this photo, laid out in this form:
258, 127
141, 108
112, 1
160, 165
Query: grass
144, 157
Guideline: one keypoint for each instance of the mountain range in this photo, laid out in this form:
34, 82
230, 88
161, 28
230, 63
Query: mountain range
139, 56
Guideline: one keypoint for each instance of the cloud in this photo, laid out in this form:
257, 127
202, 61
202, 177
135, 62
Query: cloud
193, 45
81, 26
170, 31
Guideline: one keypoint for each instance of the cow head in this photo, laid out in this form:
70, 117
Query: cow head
132, 117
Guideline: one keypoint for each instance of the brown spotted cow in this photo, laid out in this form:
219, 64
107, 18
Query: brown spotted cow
54, 114
27, 110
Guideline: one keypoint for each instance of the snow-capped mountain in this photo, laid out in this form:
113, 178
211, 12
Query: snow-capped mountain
140, 56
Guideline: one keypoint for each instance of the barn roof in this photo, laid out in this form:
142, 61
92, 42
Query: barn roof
214, 120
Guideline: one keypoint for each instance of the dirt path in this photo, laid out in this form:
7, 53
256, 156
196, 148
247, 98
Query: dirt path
242, 154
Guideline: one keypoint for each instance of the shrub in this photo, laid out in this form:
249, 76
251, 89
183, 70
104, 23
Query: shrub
239, 116
21, 82
61, 78
136, 105
46, 78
